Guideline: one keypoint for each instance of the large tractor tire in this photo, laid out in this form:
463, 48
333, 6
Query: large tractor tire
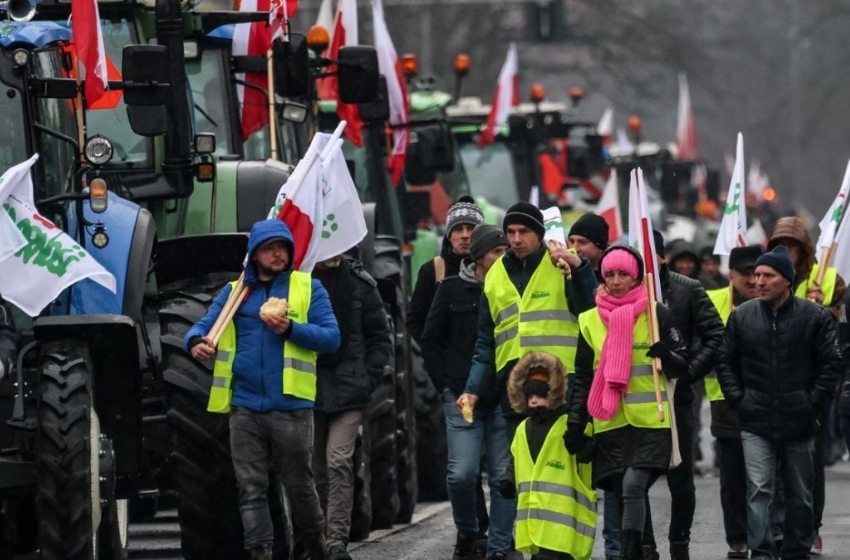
79, 517
361, 512
202, 468
431, 449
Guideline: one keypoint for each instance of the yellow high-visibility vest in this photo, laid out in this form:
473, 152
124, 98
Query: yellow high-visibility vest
722, 300
556, 505
539, 321
827, 287
299, 365
638, 405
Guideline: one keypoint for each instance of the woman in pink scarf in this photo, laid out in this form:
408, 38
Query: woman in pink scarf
614, 388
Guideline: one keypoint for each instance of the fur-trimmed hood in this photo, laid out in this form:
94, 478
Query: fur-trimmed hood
557, 380
793, 228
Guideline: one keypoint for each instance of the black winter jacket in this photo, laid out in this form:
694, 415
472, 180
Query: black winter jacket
426, 288
698, 322
347, 378
779, 370
450, 331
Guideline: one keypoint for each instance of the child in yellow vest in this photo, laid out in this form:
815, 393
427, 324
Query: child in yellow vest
556, 506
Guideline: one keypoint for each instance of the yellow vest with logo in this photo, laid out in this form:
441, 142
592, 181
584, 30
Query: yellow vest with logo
638, 406
299, 365
722, 300
827, 286
539, 321
556, 505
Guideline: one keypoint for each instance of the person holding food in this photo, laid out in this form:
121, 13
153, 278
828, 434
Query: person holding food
264, 376
447, 341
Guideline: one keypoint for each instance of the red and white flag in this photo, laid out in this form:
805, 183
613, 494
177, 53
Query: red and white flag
609, 208
605, 128
255, 39
344, 34
506, 96
88, 40
686, 132
733, 227
390, 68
641, 235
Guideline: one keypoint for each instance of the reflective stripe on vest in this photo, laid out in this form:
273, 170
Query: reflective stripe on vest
556, 505
638, 406
722, 300
827, 286
539, 321
299, 365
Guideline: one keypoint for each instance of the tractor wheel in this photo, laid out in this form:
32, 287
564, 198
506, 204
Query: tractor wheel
432, 448
202, 468
72, 499
361, 512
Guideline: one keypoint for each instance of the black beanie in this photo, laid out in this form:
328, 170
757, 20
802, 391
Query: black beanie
659, 243
592, 227
741, 258
780, 260
526, 214
484, 239
537, 384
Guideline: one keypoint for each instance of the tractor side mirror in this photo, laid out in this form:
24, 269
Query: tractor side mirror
357, 71
292, 67
430, 151
146, 88
378, 110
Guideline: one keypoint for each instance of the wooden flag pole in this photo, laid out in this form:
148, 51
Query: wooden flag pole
272, 115
654, 337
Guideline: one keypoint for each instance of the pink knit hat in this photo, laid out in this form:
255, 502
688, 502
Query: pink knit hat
619, 258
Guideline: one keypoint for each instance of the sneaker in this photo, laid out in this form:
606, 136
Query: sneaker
738, 550
817, 546
339, 552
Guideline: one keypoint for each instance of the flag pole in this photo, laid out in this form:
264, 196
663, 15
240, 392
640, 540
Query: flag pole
272, 115
654, 337
81, 126
240, 291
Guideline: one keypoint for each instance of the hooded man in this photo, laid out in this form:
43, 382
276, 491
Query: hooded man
265, 378
779, 367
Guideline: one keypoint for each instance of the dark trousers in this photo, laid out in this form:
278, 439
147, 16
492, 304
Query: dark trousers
819, 488
680, 481
733, 489
279, 441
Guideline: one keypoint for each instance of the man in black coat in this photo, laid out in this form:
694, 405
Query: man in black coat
461, 219
702, 329
344, 385
779, 367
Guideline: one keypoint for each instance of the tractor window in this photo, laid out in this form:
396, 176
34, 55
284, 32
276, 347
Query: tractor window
13, 146
491, 173
209, 81
131, 150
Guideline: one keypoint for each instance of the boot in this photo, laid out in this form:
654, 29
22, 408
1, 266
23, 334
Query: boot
649, 552
630, 548
319, 547
261, 553
679, 551
465, 545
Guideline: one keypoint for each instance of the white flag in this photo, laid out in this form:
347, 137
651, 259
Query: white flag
343, 225
733, 228
831, 220
554, 222
841, 258
641, 231
50, 261
17, 177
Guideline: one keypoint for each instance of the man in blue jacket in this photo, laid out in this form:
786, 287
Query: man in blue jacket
265, 377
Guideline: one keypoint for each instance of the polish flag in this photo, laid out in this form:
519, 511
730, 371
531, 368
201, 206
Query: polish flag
609, 208
686, 132
605, 128
88, 39
390, 68
344, 35
506, 96
255, 39
641, 235
733, 227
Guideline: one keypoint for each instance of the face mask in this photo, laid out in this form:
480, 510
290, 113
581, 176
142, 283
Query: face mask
536, 411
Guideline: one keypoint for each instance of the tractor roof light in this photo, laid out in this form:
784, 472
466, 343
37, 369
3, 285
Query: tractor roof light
634, 124
97, 195
461, 65
318, 39
576, 95
409, 65
98, 150
538, 93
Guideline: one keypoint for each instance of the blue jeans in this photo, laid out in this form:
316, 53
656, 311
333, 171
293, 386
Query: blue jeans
466, 442
797, 472
611, 523
279, 441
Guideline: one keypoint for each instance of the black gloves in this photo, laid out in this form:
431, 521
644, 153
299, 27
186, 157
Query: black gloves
574, 439
659, 350
507, 489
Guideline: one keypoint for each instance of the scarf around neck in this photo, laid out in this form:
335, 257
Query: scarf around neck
612, 376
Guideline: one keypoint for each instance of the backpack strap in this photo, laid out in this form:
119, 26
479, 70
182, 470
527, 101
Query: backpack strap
439, 269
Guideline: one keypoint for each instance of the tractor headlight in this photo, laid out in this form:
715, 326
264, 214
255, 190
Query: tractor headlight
98, 150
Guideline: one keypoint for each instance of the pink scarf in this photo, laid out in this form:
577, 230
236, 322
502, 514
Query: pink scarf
612, 376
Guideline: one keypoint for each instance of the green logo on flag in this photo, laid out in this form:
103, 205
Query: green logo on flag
836, 214
734, 205
329, 226
554, 225
43, 251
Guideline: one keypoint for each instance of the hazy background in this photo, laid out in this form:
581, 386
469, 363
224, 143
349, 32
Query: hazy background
775, 70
